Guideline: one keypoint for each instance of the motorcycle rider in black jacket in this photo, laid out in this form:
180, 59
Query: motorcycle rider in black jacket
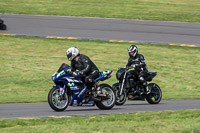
82, 65
137, 61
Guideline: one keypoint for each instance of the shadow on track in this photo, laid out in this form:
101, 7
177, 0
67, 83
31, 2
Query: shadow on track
79, 109
135, 104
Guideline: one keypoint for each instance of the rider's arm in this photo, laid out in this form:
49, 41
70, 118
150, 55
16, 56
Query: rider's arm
129, 62
139, 63
87, 65
142, 61
73, 66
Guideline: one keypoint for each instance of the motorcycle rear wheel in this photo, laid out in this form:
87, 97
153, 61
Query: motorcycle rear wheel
110, 102
120, 99
155, 95
3, 27
55, 101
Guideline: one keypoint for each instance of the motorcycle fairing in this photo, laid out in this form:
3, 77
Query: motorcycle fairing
57, 74
71, 82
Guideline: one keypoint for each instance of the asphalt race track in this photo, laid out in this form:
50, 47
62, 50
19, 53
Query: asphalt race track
99, 29
103, 29
42, 110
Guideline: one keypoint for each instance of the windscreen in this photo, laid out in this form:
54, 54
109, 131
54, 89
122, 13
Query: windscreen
62, 67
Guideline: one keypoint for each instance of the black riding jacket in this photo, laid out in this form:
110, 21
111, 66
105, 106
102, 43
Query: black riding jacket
139, 61
84, 65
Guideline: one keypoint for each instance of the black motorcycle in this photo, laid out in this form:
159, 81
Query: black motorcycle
2, 25
130, 86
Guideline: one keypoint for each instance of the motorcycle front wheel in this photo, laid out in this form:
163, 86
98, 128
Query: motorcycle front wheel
155, 95
56, 102
120, 99
110, 97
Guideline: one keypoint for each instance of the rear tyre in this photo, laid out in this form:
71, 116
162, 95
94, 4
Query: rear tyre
55, 101
120, 99
110, 97
155, 95
3, 27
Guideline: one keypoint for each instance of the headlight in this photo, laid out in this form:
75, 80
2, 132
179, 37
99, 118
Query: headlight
120, 73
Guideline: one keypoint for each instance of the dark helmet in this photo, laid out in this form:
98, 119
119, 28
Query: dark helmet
133, 51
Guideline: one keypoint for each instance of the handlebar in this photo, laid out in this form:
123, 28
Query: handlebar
128, 67
68, 72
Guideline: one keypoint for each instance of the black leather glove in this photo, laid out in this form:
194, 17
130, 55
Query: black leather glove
127, 67
136, 65
75, 73
68, 72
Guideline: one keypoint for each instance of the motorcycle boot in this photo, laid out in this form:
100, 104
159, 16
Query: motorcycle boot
89, 91
148, 91
86, 97
86, 94
144, 82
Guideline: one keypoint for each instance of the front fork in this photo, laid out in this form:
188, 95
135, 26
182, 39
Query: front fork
61, 91
122, 85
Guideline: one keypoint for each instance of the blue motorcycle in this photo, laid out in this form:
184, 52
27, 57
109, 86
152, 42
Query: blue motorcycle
72, 91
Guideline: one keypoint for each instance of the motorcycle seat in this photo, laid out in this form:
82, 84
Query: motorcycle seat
151, 75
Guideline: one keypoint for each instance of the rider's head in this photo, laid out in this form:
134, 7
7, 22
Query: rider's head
133, 51
72, 52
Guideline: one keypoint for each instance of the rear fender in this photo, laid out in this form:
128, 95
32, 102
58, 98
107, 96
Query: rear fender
104, 75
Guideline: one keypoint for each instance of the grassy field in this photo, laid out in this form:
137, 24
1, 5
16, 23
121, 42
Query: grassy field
27, 64
151, 122
168, 10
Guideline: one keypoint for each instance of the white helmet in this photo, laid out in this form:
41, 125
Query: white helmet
72, 52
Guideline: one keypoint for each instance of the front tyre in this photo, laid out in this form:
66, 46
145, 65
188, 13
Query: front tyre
109, 101
120, 99
56, 102
155, 95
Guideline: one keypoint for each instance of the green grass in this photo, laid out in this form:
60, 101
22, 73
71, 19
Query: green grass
27, 64
168, 10
151, 122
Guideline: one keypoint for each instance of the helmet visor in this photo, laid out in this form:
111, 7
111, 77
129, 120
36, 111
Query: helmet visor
131, 53
69, 56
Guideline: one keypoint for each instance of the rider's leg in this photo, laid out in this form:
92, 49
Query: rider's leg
90, 79
142, 77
